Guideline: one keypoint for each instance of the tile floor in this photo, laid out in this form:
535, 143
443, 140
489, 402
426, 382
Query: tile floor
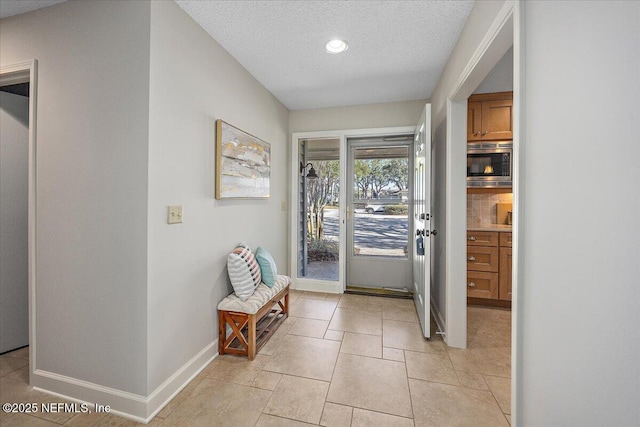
347, 360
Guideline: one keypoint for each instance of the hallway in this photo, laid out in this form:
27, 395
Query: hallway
339, 360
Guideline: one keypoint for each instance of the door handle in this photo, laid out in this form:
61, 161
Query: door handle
471, 258
471, 284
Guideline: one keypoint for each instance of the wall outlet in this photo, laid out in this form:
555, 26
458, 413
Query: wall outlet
175, 214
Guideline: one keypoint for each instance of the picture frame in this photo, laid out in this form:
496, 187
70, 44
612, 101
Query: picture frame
243, 164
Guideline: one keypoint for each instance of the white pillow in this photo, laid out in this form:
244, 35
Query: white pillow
244, 271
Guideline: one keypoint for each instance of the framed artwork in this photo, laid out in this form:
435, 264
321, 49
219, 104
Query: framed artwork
243, 164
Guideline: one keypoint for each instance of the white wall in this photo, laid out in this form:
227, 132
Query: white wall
91, 243
580, 286
479, 21
193, 82
389, 114
14, 179
500, 79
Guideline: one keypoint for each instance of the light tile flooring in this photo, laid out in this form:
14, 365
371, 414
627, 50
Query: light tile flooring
347, 360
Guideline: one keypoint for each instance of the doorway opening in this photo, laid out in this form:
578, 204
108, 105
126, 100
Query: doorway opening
373, 222
18, 291
378, 210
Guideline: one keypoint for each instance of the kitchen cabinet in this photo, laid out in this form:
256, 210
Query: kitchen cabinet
489, 265
490, 117
506, 267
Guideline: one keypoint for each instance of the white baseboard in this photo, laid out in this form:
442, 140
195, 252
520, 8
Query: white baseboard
127, 405
162, 395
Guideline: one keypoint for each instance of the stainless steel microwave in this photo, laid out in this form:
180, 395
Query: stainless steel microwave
490, 165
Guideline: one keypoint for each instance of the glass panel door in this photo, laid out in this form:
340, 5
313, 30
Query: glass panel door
379, 203
318, 210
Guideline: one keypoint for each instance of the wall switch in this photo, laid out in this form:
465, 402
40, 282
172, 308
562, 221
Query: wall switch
175, 214
283, 206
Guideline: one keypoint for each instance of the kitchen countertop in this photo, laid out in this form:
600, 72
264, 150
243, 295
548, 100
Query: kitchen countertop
490, 227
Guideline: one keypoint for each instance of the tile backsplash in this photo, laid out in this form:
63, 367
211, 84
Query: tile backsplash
481, 208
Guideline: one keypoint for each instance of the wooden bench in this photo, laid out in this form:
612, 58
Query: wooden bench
252, 321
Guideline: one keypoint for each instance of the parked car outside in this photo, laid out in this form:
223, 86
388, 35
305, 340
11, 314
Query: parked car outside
374, 208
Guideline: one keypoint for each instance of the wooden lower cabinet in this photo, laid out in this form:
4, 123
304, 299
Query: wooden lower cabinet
489, 265
482, 284
506, 273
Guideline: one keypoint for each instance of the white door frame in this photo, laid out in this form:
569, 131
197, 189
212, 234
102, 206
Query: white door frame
505, 31
302, 283
24, 72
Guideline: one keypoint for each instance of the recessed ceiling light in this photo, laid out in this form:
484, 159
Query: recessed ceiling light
336, 46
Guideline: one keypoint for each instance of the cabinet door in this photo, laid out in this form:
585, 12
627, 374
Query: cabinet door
482, 238
482, 258
496, 119
482, 284
506, 267
505, 239
474, 121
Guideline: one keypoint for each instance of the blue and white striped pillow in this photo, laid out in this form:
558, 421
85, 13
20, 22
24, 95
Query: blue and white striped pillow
244, 271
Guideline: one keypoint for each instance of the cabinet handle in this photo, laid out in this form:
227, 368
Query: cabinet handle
471, 284
471, 258
476, 134
471, 238
485, 132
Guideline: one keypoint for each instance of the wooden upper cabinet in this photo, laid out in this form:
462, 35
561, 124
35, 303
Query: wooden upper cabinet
474, 121
490, 117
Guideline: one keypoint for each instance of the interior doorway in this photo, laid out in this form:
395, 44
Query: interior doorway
505, 32
14, 178
21, 77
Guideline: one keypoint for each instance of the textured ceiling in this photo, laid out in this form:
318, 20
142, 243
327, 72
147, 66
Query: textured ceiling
397, 49
16, 7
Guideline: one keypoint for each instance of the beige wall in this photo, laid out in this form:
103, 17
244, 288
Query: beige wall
91, 241
580, 236
193, 82
389, 114
128, 96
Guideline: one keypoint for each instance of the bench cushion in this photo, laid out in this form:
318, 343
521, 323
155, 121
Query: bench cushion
262, 294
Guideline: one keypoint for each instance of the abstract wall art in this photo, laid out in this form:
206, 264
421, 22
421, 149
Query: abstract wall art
243, 164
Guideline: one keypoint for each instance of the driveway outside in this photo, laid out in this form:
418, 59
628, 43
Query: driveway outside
375, 234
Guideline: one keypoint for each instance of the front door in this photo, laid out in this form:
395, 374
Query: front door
421, 221
378, 212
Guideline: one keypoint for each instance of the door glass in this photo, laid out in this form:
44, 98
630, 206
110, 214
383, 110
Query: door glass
318, 226
380, 201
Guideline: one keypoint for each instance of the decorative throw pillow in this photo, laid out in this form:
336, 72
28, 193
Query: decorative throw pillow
244, 271
268, 268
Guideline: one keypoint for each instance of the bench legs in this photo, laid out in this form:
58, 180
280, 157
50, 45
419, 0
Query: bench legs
249, 332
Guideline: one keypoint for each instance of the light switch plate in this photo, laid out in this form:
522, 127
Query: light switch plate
175, 214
